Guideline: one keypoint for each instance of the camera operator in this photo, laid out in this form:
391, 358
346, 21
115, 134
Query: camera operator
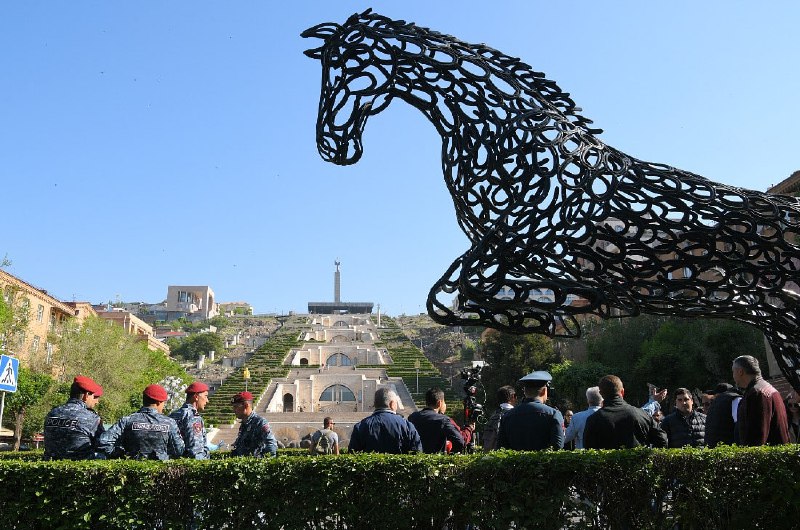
437, 431
532, 425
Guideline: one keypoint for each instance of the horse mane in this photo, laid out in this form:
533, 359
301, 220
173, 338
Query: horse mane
512, 70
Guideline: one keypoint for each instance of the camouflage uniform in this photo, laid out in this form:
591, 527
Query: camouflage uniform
144, 435
192, 430
71, 432
255, 438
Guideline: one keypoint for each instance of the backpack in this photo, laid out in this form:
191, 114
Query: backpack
325, 443
491, 430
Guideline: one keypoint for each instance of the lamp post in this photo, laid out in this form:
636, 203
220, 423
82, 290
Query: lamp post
246, 375
416, 365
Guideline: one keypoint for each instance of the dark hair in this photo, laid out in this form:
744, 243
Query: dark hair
75, 391
433, 396
505, 394
610, 386
147, 401
749, 364
681, 391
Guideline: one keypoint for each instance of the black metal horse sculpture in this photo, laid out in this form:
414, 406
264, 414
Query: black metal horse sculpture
560, 223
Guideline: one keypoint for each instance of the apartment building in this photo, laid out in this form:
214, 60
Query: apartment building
135, 326
46, 315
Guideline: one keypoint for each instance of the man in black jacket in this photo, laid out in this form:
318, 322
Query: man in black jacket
618, 424
684, 426
721, 415
435, 428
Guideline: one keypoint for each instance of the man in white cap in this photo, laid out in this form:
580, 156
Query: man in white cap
532, 425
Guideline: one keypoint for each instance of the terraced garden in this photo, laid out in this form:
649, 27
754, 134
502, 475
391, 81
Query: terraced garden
265, 363
405, 354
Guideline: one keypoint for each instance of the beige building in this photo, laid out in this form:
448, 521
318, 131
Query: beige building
338, 345
195, 302
135, 326
338, 355
45, 315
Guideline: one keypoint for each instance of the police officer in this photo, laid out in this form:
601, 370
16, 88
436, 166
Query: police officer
146, 434
532, 426
255, 438
190, 424
71, 430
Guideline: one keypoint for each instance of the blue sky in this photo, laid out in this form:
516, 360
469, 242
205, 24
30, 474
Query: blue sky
144, 144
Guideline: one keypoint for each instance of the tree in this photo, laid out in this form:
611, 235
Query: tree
617, 343
570, 381
31, 388
14, 317
200, 343
671, 352
696, 353
509, 357
116, 360
108, 354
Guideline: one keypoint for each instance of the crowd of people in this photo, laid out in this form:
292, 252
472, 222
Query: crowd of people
751, 413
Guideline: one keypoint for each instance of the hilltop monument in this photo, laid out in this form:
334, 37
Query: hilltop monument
337, 306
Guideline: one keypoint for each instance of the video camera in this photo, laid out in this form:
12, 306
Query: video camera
473, 411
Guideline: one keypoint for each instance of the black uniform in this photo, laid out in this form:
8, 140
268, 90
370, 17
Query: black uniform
71, 432
531, 426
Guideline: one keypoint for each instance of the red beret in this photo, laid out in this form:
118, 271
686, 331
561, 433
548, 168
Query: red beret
88, 385
196, 388
242, 396
155, 392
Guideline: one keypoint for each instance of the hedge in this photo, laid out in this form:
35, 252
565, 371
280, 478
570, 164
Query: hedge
720, 488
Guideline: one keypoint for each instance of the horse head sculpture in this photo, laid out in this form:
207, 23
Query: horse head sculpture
560, 224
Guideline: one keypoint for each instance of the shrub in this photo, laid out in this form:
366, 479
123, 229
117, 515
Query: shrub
727, 487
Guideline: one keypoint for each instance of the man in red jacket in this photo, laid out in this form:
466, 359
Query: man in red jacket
761, 418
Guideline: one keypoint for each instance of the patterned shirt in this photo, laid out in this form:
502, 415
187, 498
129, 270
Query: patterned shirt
193, 431
144, 435
255, 438
71, 431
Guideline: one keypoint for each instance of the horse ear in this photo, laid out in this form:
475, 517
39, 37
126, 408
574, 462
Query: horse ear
314, 53
321, 31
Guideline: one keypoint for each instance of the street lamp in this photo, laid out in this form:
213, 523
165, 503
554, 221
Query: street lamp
246, 375
416, 365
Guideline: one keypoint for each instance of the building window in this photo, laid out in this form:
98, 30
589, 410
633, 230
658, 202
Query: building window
52, 323
338, 359
49, 348
337, 393
35, 344
40, 313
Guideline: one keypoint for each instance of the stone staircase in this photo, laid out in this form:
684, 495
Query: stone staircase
292, 426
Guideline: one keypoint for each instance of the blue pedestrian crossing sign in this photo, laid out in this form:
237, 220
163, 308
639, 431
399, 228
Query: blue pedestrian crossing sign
9, 372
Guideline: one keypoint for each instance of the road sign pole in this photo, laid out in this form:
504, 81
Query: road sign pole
2, 408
